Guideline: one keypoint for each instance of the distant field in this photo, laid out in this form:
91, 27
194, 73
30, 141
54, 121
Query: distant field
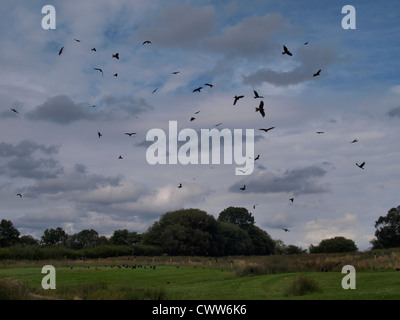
191, 279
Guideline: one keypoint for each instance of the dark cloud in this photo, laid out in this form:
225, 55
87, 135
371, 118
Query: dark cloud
296, 181
395, 112
24, 162
72, 180
250, 37
182, 26
60, 109
309, 60
63, 110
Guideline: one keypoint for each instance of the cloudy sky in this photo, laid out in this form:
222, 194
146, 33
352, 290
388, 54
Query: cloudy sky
51, 153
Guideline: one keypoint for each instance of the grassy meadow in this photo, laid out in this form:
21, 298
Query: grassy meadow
298, 277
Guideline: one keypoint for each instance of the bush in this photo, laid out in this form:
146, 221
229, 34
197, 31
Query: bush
300, 286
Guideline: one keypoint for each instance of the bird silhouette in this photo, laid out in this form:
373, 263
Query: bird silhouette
77, 40
286, 51
146, 42
291, 199
254, 205
218, 124
256, 158
317, 73
99, 134
99, 69
197, 89
319, 132
120, 157
116, 56
154, 91
13, 110
305, 43
130, 133
243, 188
192, 118
115, 74
180, 185
261, 108
266, 130
256, 95
236, 99
361, 166
209, 84
61, 50
175, 72
285, 229
94, 49
354, 141
19, 195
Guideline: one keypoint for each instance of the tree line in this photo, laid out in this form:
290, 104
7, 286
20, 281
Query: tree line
185, 232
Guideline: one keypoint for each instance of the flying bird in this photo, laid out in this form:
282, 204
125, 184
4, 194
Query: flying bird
317, 73
154, 91
361, 166
77, 40
61, 50
291, 199
305, 43
256, 158
261, 108
180, 185
175, 72
93, 49
116, 56
243, 188
286, 51
99, 134
98, 69
13, 110
19, 195
266, 130
354, 141
115, 74
197, 89
236, 99
286, 230
197, 112
254, 206
120, 157
209, 84
319, 132
218, 124
130, 133
146, 42
192, 118
256, 95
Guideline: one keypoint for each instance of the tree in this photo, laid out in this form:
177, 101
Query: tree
237, 215
54, 237
334, 245
387, 230
292, 249
28, 240
124, 237
9, 235
231, 239
262, 243
183, 232
84, 239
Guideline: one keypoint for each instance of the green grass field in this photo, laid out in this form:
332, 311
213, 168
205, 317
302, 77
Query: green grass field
183, 281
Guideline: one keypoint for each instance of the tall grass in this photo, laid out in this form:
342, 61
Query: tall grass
300, 286
10, 290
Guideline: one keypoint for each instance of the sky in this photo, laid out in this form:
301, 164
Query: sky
69, 177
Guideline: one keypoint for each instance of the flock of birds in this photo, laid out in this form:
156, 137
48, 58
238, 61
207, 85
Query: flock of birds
260, 108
